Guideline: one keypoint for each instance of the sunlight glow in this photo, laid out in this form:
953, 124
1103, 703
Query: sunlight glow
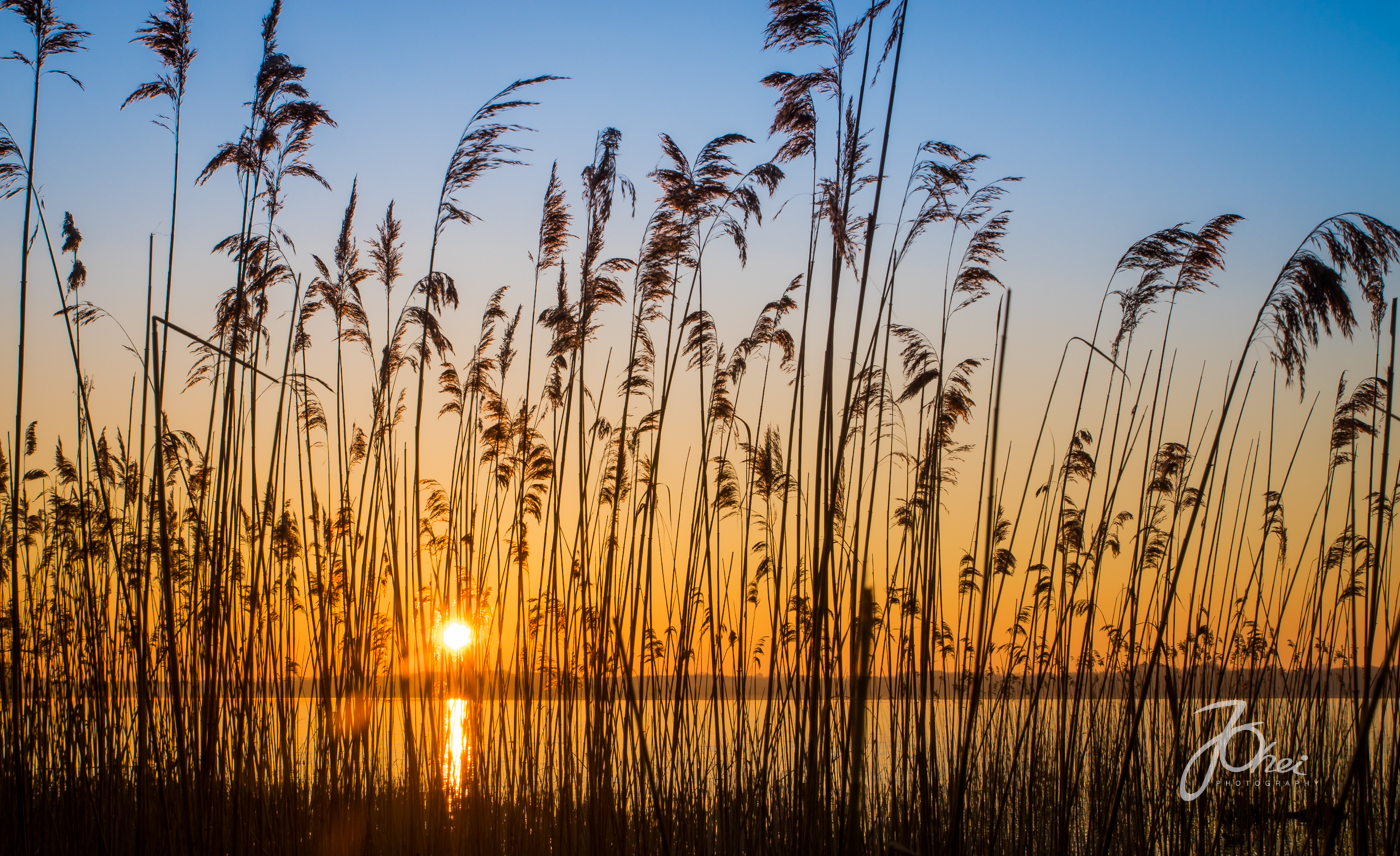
456, 636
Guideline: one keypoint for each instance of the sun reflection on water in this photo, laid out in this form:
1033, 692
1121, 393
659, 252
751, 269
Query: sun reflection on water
457, 754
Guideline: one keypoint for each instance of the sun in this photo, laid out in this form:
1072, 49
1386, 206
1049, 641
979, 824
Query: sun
456, 636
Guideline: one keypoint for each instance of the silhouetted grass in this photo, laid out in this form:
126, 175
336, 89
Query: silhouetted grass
784, 595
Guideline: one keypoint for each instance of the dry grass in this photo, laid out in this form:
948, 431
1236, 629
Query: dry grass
735, 633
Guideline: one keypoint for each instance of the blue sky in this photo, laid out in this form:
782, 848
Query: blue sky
1123, 117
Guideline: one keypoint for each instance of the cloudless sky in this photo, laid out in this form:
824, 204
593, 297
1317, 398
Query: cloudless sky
1123, 117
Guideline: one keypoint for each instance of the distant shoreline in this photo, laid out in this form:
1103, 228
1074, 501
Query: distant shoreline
942, 687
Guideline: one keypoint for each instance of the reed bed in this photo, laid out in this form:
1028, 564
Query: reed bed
710, 606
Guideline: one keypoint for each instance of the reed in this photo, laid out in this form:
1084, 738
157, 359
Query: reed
52, 37
660, 591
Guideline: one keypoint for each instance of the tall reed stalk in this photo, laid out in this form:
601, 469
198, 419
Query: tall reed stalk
804, 585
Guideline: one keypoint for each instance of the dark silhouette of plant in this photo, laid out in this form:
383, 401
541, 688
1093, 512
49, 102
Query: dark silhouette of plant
53, 37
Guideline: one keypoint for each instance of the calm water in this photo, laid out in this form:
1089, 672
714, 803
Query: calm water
467, 731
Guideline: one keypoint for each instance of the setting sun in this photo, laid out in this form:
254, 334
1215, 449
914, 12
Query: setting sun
456, 636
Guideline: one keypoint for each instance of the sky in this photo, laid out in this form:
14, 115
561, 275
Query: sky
1122, 118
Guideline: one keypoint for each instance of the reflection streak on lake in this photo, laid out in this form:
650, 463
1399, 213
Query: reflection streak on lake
457, 750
